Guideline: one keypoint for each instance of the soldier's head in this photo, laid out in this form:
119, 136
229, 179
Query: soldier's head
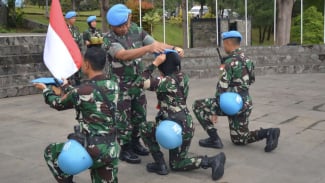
231, 40
172, 63
91, 20
70, 17
94, 60
119, 17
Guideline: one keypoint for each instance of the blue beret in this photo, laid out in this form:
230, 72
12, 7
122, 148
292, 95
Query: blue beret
118, 15
166, 51
231, 34
91, 18
70, 14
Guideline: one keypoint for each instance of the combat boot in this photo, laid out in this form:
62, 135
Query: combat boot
159, 166
65, 180
138, 148
128, 155
213, 141
272, 139
217, 164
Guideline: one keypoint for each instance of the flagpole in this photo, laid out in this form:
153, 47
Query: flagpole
164, 21
187, 29
301, 21
140, 13
246, 22
274, 24
217, 26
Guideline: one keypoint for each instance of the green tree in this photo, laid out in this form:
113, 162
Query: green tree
151, 17
312, 27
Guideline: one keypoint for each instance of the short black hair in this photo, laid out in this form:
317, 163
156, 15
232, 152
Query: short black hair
96, 56
172, 64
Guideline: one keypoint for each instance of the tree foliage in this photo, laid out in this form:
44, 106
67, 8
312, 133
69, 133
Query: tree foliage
312, 27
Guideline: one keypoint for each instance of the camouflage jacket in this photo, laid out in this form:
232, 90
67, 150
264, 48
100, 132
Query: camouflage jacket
171, 91
126, 71
74, 30
94, 36
236, 75
98, 117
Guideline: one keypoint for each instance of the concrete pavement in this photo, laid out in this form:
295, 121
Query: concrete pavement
295, 103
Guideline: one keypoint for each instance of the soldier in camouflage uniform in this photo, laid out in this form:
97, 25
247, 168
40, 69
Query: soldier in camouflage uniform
70, 17
126, 43
236, 75
95, 103
92, 36
172, 91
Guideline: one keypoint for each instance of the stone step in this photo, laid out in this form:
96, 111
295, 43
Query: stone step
20, 80
21, 59
16, 91
27, 68
10, 50
22, 39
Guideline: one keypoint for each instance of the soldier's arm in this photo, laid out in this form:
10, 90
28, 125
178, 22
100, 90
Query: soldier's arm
59, 102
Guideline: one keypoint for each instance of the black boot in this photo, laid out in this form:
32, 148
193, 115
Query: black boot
217, 164
272, 138
65, 180
159, 166
138, 148
213, 141
128, 155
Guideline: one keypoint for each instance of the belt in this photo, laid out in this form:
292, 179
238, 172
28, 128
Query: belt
99, 139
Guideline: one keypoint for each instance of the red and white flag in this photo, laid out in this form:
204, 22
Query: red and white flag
62, 55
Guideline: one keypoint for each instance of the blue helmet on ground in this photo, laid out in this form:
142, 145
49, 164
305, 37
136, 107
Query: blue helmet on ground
118, 15
231, 103
169, 134
91, 18
74, 158
70, 14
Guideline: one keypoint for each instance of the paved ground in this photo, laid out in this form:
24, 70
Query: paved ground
295, 103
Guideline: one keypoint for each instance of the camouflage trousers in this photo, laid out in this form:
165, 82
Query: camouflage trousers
178, 157
238, 124
105, 162
132, 105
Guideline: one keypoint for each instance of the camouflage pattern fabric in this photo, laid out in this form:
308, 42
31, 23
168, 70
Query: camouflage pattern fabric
132, 100
98, 119
233, 77
94, 36
75, 79
172, 92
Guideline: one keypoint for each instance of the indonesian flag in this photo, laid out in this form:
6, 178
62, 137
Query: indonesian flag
62, 55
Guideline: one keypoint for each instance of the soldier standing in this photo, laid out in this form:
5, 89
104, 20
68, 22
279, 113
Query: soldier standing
236, 75
126, 43
92, 36
172, 90
95, 103
70, 17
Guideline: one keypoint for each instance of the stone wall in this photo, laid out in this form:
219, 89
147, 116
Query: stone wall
21, 61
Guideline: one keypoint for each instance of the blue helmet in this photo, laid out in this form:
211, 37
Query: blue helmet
74, 158
70, 14
231, 34
231, 103
118, 15
169, 134
91, 19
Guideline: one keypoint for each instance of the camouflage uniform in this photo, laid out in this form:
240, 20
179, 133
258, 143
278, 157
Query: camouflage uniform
97, 122
132, 100
172, 92
74, 30
94, 36
236, 75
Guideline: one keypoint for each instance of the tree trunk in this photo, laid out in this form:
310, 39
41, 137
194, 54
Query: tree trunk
104, 4
184, 25
284, 21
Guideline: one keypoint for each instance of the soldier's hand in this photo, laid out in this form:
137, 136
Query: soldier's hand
180, 51
159, 59
214, 118
158, 47
40, 86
